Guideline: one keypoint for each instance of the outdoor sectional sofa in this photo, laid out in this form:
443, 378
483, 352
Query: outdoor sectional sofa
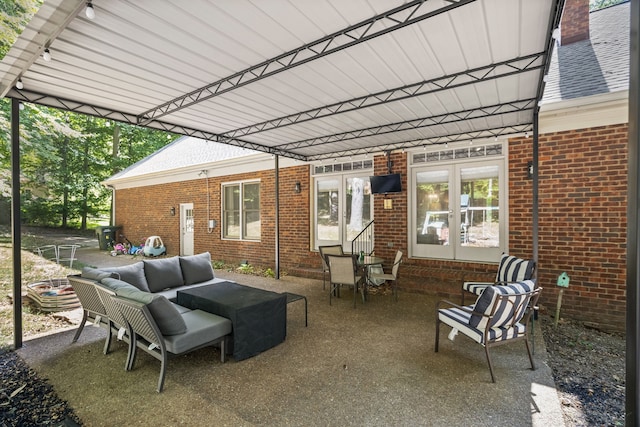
145, 290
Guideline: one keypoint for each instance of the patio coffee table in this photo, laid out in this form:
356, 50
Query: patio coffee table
259, 317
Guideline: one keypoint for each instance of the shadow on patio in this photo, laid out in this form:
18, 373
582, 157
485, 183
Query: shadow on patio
374, 365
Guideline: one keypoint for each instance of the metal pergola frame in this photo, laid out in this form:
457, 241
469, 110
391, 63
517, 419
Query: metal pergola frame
378, 25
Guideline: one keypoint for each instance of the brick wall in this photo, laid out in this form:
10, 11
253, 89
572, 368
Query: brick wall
582, 219
582, 223
145, 211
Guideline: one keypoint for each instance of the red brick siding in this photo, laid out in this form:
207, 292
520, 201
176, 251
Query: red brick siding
582, 219
145, 211
391, 224
582, 222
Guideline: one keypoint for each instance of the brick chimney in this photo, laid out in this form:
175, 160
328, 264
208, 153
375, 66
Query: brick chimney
574, 25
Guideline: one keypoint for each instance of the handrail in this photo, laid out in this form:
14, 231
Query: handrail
363, 242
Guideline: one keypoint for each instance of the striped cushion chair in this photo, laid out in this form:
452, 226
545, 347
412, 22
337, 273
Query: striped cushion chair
499, 316
510, 270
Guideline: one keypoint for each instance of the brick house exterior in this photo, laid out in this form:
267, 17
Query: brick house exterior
582, 211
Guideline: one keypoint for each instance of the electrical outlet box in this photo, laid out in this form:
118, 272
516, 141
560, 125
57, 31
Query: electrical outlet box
389, 244
212, 223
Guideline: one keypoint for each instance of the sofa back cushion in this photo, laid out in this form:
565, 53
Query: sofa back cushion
166, 315
163, 273
95, 273
196, 268
133, 274
509, 311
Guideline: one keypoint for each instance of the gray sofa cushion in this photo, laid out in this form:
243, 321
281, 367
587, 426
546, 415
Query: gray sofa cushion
202, 327
163, 273
133, 274
196, 268
164, 312
95, 273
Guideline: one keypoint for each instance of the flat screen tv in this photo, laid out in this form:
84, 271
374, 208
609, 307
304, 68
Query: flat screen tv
382, 184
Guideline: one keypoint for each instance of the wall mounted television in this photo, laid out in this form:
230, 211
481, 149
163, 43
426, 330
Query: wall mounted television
382, 184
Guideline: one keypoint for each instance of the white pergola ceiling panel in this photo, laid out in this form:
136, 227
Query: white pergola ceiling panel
268, 74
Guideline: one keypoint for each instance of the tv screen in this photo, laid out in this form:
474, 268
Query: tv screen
382, 184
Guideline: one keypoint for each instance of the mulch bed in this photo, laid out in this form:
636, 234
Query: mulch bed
28, 400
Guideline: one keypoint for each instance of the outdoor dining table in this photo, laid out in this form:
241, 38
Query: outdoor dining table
364, 263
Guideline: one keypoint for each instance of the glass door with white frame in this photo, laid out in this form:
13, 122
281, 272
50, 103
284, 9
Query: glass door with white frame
434, 216
343, 208
458, 212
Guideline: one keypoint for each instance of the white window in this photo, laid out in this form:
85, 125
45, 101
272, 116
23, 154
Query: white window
460, 199
241, 211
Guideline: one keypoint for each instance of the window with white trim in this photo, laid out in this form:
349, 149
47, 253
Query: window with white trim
241, 210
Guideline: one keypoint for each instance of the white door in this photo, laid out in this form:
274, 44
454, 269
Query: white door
343, 208
186, 229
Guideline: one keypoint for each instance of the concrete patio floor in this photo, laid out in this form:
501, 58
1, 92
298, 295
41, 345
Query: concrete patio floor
373, 365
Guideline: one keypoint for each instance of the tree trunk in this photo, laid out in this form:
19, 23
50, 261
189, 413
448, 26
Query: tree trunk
114, 154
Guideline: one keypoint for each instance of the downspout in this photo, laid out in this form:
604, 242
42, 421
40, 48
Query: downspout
535, 202
15, 223
277, 214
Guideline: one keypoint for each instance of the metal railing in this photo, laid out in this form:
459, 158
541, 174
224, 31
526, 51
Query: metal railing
363, 241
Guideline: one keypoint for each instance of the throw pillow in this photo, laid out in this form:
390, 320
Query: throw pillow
163, 273
116, 284
95, 273
133, 273
196, 268
165, 314
505, 313
513, 269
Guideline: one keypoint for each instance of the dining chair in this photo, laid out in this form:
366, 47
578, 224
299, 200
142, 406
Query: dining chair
343, 271
324, 251
381, 277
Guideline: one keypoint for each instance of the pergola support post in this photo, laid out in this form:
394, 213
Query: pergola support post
277, 214
632, 403
15, 223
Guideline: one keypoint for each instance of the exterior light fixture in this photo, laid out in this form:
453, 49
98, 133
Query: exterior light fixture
172, 211
89, 11
46, 55
297, 187
19, 84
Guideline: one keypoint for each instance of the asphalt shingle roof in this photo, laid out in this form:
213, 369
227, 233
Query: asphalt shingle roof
595, 66
183, 152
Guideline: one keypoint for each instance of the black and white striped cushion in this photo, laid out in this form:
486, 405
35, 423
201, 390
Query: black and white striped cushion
504, 314
513, 269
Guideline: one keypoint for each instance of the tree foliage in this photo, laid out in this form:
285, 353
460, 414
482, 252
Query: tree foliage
599, 4
64, 157
14, 16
